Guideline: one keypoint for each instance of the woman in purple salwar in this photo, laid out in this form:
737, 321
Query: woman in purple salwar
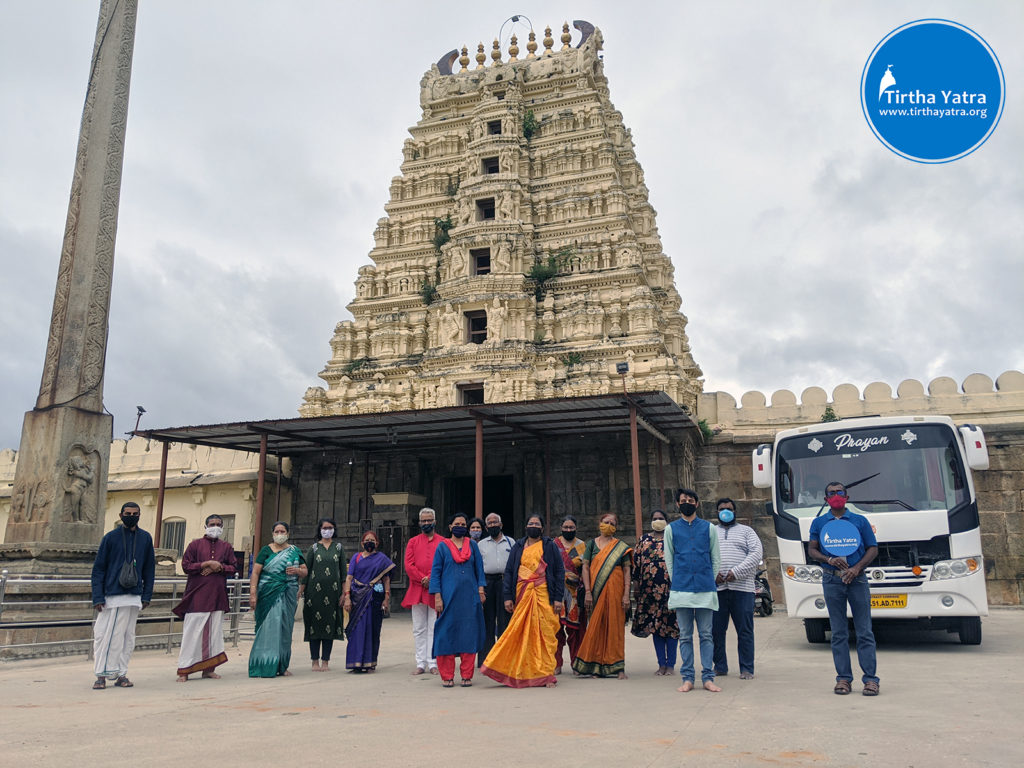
367, 601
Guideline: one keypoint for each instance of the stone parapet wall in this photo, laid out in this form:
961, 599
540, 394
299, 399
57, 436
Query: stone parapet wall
978, 399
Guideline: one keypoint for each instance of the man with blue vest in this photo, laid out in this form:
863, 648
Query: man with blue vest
844, 544
692, 560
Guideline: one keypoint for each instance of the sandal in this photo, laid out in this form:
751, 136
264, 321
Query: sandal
100, 684
467, 683
448, 683
870, 688
842, 688
123, 682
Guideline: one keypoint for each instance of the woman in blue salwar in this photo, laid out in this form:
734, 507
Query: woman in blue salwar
457, 583
273, 598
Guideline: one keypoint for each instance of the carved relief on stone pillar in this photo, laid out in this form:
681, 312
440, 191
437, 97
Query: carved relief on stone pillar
80, 504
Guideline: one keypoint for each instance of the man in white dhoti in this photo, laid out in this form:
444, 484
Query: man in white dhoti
122, 585
209, 563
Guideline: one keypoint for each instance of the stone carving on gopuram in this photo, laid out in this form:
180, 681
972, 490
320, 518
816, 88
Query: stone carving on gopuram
519, 257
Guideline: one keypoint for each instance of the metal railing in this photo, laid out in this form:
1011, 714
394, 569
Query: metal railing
166, 594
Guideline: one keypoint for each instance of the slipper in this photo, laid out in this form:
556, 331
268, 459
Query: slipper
447, 683
100, 684
123, 682
842, 688
418, 671
870, 688
467, 683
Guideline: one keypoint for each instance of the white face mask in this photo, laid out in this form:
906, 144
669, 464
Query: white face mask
280, 538
326, 533
214, 531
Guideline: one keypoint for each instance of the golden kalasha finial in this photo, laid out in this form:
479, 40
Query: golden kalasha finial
513, 50
531, 46
496, 53
548, 41
464, 60
566, 36
481, 57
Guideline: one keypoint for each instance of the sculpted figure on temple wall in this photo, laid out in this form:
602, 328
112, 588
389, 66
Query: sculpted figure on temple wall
503, 258
452, 334
496, 321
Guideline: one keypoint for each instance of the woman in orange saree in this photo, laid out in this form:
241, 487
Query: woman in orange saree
533, 586
606, 566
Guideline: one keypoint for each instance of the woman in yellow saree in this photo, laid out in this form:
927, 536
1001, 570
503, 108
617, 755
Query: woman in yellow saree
606, 566
533, 586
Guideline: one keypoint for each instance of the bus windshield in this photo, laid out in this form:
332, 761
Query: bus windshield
885, 469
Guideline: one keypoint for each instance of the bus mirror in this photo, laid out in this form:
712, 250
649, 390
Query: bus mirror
974, 444
761, 464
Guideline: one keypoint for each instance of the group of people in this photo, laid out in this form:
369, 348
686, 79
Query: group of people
509, 607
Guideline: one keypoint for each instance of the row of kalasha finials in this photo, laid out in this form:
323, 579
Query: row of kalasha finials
513, 50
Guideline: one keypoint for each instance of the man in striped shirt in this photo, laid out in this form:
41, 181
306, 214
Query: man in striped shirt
741, 552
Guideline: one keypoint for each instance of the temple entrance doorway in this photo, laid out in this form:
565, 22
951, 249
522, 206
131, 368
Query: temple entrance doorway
498, 497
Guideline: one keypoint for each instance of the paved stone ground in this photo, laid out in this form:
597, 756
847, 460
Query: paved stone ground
941, 704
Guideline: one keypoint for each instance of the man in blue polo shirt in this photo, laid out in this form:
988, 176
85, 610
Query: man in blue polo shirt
844, 544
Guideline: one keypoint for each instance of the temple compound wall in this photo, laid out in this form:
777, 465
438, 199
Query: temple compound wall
724, 465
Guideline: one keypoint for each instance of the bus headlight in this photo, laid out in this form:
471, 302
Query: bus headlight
952, 569
808, 574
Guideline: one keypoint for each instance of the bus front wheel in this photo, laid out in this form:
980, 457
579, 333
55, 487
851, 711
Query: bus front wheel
970, 630
815, 630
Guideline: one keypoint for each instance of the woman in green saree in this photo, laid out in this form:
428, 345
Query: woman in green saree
273, 598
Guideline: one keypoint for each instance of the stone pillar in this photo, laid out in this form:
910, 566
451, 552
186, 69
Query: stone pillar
60, 485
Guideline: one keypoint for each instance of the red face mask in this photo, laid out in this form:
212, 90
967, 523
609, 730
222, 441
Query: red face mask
836, 502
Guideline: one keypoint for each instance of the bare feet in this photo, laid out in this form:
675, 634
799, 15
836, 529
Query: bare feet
316, 665
623, 676
325, 666
551, 684
746, 675
686, 687
710, 686
286, 673
211, 675
558, 670
182, 679
434, 671
418, 671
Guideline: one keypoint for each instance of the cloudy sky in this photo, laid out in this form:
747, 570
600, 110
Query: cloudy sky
262, 137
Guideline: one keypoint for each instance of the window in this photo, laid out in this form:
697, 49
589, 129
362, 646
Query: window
229, 529
476, 327
172, 535
471, 394
489, 165
481, 261
485, 209
494, 127
499, 95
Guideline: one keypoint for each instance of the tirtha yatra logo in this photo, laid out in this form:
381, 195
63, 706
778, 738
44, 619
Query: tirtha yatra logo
932, 91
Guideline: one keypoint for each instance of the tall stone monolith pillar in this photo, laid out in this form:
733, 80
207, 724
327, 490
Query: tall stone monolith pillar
60, 485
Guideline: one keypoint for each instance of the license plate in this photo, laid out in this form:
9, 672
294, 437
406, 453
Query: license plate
888, 601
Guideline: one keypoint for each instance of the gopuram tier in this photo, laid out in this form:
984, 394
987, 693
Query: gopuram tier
519, 258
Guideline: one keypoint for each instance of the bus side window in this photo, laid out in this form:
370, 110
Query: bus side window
954, 469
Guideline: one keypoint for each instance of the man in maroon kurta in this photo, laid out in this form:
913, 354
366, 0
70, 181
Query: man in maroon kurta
419, 558
209, 563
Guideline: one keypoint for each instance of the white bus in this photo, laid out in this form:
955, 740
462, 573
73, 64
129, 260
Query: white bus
910, 476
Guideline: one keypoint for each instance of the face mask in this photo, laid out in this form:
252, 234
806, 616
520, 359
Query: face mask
726, 516
534, 531
836, 502
130, 521
494, 531
214, 531
326, 533
569, 535
658, 525
458, 531
427, 528
476, 535
280, 538
369, 546
607, 529
688, 509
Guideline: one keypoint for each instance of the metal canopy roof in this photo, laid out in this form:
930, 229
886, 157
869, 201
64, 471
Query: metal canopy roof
439, 428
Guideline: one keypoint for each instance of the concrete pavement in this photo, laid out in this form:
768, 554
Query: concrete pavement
941, 704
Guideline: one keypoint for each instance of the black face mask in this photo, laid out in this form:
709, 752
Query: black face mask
459, 531
369, 546
494, 531
687, 508
534, 531
427, 528
568, 535
130, 521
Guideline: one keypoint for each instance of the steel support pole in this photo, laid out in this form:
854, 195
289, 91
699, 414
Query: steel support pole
635, 455
547, 488
478, 498
661, 478
257, 529
160, 495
